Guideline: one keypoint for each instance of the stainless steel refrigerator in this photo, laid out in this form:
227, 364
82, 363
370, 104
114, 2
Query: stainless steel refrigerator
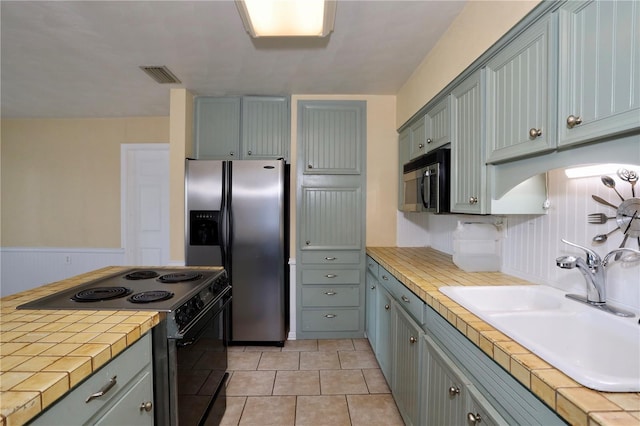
237, 217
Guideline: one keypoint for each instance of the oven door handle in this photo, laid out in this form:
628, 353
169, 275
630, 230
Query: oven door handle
181, 344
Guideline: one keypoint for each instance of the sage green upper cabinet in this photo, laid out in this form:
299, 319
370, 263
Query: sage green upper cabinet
438, 125
599, 60
418, 132
404, 155
468, 171
265, 127
241, 128
217, 128
520, 95
331, 134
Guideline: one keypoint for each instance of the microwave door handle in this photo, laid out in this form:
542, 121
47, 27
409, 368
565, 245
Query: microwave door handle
425, 201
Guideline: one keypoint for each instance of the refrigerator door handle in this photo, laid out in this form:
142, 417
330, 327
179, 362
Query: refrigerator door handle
224, 216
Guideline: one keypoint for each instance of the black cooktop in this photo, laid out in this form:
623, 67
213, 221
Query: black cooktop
153, 289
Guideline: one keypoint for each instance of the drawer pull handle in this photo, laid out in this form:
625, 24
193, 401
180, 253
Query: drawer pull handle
330, 293
146, 406
330, 316
386, 278
454, 391
329, 258
331, 275
405, 299
474, 418
103, 390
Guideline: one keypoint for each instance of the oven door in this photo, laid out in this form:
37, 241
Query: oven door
201, 368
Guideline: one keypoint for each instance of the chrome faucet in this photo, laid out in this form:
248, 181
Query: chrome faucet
594, 273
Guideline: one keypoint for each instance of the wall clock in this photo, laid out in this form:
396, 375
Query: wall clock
627, 213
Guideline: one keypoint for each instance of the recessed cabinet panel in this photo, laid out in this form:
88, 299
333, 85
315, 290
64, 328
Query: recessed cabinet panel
330, 134
331, 276
599, 70
384, 335
520, 94
328, 319
331, 218
265, 127
438, 121
468, 171
330, 296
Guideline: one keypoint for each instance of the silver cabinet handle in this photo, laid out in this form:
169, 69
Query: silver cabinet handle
248, 152
474, 418
420, 146
331, 275
103, 390
307, 242
386, 278
330, 293
429, 140
412, 340
473, 200
454, 391
386, 307
329, 258
309, 166
405, 299
373, 287
330, 316
231, 153
573, 121
534, 133
146, 406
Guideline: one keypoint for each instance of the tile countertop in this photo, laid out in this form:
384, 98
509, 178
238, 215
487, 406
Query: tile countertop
45, 353
424, 270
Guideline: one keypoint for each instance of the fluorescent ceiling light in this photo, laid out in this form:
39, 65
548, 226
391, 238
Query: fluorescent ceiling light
287, 18
597, 170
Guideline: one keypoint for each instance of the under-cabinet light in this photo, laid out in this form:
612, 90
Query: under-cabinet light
597, 170
287, 18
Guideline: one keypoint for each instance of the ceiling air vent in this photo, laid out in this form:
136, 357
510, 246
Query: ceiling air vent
161, 74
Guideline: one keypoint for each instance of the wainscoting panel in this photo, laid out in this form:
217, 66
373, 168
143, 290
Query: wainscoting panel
23, 268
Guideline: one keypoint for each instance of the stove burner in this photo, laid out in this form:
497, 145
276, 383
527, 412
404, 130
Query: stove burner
179, 277
100, 293
150, 296
141, 275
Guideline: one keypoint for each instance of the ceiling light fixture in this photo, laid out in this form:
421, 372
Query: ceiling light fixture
287, 18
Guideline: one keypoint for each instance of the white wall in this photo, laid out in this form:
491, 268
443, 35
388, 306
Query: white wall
532, 243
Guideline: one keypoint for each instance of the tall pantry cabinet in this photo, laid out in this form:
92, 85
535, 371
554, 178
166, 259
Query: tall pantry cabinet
331, 219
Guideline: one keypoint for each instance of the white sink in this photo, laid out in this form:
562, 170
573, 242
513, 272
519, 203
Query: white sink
597, 349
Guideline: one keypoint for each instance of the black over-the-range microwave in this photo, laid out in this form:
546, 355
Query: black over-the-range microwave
426, 182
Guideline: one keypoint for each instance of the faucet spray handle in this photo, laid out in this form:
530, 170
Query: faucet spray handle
592, 257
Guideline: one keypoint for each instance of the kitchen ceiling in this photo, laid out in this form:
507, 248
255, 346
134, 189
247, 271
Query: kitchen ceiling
82, 58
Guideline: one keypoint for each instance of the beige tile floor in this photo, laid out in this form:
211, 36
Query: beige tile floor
308, 382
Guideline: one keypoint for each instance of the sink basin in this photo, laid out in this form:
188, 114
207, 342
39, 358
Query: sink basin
596, 349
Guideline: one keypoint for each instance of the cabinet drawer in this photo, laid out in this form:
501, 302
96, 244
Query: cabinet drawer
331, 320
331, 257
372, 265
406, 299
330, 296
72, 409
331, 276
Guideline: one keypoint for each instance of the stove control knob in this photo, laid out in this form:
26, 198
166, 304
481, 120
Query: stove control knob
198, 303
181, 317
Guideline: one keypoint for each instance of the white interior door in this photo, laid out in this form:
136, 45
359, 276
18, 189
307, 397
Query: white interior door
145, 203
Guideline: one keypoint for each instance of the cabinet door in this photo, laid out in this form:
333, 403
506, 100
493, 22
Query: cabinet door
216, 128
331, 136
127, 410
520, 92
444, 399
418, 138
331, 218
438, 123
383, 328
406, 365
480, 411
265, 127
370, 308
599, 70
468, 172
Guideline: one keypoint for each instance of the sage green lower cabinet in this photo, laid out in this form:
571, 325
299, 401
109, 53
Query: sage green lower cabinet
131, 373
449, 396
384, 336
371, 288
406, 383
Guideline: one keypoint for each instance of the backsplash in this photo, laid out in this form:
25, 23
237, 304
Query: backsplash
532, 243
